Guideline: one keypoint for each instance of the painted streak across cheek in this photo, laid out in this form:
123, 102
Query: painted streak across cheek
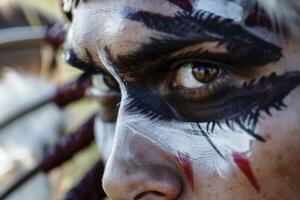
243, 164
185, 161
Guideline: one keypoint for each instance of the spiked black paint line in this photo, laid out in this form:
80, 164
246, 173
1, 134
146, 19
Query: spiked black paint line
240, 106
243, 105
187, 30
201, 26
268, 93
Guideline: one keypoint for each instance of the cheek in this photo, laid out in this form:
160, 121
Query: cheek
185, 161
279, 156
188, 144
282, 134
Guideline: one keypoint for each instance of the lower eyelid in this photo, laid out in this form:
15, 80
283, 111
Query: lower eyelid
207, 90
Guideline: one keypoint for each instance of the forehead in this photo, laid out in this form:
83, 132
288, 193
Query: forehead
98, 24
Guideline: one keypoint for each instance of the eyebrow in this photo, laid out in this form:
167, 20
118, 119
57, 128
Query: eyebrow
190, 28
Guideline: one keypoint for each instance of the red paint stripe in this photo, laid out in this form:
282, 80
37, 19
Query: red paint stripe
184, 4
243, 163
185, 161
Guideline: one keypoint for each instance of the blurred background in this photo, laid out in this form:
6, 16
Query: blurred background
54, 74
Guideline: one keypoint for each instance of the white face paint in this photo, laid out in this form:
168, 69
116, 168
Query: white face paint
222, 8
180, 137
104, 135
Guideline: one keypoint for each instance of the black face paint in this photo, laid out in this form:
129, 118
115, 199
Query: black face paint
200, 26
149, 103
253, 97
231, 106
242, 106
71, 58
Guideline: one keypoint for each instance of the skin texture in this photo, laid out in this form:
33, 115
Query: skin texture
153, 156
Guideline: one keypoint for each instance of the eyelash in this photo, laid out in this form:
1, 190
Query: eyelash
207, 90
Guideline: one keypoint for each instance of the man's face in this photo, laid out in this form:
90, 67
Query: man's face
209, 101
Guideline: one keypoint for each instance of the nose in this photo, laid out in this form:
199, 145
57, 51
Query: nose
139, 170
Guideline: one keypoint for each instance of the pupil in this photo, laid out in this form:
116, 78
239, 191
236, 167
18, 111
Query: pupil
205, 74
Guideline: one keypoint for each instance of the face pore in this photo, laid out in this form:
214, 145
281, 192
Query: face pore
208, 105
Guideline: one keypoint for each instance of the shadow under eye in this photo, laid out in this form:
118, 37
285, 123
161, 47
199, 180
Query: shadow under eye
203, 92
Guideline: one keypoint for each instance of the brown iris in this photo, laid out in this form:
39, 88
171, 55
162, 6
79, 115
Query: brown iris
205, 73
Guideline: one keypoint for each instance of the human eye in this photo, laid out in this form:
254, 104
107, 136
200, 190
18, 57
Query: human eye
105, 90
205, 90
195, 75
104, 85
193, 80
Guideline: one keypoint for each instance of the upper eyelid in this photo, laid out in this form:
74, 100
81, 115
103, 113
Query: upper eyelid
225, 60
170, 63
211, 46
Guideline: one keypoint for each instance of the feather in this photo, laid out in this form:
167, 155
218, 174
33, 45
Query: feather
22, 143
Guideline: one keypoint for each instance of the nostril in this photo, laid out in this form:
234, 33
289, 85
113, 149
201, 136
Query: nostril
153, 195
145, 194
167, 188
